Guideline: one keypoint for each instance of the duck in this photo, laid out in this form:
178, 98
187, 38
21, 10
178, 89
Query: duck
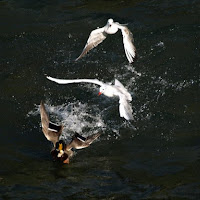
98, 35
61, 150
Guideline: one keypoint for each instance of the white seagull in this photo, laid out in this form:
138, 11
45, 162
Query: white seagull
117, 89
98, 35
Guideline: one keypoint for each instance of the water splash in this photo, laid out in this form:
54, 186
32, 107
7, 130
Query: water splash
75, 117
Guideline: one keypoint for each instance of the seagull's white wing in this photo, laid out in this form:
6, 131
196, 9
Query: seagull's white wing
129, 47
123, 90
66, 81
96, 37
125, 109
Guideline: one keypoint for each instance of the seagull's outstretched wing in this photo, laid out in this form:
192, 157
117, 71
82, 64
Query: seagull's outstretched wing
96, 37
123, 90
129, 47
51, 131
66, 81
125, 109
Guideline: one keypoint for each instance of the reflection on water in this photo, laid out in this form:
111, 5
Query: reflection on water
154, 157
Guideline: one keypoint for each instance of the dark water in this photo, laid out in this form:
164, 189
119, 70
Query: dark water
157, 156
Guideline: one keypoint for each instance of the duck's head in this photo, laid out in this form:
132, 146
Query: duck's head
60, 145
59, 153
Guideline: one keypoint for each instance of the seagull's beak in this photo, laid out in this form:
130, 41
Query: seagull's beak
99, 93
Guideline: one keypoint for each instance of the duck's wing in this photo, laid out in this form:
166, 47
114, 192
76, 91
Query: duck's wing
68, 81
51, 131
128, 40
123, 90
96, 37
125, 109
80, 142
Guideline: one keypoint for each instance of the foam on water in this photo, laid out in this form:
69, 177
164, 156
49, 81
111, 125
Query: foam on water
84, 119
177, 86
75, 117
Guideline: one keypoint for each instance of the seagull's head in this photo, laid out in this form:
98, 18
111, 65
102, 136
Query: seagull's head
110, 22
111, 27
107, 90
101, 90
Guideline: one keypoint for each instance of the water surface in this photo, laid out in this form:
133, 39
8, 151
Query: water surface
154, 157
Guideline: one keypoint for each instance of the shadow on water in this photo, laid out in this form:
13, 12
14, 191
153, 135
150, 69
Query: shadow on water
154, 157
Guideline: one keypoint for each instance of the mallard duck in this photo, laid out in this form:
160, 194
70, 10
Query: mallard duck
62, 151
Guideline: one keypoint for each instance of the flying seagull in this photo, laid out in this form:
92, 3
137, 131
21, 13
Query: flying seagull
98, 35
62, 151
117, 89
